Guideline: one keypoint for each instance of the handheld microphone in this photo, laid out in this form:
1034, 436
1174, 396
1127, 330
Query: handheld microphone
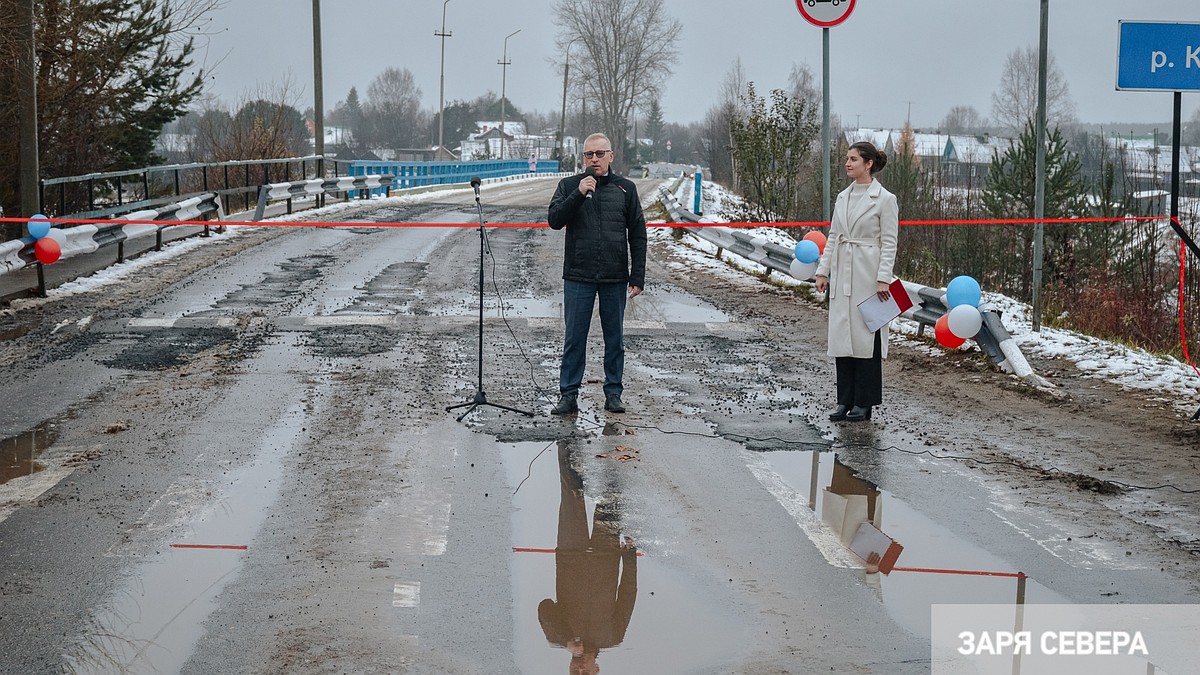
590, 171
475, 182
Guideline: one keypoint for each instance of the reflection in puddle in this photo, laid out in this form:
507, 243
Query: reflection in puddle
842, 500
585, 598
18, 454
153, 619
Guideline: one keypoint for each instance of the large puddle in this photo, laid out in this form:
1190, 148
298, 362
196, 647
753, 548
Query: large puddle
152, 621
18, 454
935, 566
583, 594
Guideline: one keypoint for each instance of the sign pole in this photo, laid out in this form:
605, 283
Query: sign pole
824, 16
825, 140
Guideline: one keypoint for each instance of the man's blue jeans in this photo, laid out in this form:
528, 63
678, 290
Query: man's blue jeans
579, 299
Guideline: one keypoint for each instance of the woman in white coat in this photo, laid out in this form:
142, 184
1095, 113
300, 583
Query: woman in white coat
857, 262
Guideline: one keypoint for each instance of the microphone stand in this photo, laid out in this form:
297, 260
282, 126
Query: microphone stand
480, 398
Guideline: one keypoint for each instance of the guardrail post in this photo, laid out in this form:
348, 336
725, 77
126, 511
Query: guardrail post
41, 281
158, 239
120, 251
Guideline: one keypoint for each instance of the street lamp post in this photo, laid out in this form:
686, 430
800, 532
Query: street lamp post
562, 123
503, 82
442, 90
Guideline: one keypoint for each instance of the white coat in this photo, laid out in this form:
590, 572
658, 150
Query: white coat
859, 252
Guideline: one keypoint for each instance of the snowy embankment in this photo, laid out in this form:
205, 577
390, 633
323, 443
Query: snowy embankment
1163, 378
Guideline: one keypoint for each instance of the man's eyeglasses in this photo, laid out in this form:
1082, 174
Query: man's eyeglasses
595, 153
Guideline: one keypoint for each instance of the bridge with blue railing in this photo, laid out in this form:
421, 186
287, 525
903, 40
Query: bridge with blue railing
424, 174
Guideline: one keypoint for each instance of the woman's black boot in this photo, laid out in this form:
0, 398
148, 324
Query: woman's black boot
839, 413
859, 413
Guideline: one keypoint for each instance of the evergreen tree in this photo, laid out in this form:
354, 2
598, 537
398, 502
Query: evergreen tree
655, 130
1009, 190
1009, 193
110, 75
354, 115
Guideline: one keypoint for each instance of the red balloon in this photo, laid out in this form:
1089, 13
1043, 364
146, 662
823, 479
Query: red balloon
941, 330
46, 250
817, 238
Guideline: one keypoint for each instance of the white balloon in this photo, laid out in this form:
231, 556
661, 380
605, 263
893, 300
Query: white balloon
964, 321
57, 235
803, 271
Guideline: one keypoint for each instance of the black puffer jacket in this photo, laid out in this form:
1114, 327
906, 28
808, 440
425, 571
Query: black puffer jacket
606, 235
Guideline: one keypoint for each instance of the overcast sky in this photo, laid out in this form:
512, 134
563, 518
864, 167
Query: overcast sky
932, 54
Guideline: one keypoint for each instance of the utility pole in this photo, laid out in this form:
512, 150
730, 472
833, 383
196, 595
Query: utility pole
442, 90
504, 63
318, 89
1039, 171
26, 76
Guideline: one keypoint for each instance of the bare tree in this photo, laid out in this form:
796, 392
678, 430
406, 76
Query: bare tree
962, 119
393, 108
266, 125
803, 83
1015, 102
630, 47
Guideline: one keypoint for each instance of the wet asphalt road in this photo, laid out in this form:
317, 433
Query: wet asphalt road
244, 463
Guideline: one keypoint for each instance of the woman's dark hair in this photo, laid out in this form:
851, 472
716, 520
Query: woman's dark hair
870, 153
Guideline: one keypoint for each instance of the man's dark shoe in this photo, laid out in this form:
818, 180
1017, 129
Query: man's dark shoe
613, 404
567, 404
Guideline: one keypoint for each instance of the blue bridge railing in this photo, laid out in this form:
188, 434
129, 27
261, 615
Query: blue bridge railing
422, 174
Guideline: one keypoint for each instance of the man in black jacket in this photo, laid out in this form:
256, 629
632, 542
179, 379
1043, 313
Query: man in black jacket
605, 254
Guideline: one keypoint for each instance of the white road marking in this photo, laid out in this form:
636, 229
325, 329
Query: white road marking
21, 491
151, 323
351, 320
822, 537
407, 595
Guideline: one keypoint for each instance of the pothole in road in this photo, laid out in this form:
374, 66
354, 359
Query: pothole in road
168, 348
18, 454
351, 341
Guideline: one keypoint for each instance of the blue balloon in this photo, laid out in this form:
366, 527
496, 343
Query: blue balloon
39, 226
807, 251
963, 290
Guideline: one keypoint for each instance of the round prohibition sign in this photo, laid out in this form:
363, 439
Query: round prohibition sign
825, 13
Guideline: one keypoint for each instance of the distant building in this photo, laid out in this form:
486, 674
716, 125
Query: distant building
514, 143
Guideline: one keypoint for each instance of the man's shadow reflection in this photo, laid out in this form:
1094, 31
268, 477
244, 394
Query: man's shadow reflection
595, 576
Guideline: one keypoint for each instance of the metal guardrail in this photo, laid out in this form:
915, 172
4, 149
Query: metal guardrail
84, 239
103, 194
319, 187
929, 304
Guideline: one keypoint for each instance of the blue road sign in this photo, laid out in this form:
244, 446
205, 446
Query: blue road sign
1158, 56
